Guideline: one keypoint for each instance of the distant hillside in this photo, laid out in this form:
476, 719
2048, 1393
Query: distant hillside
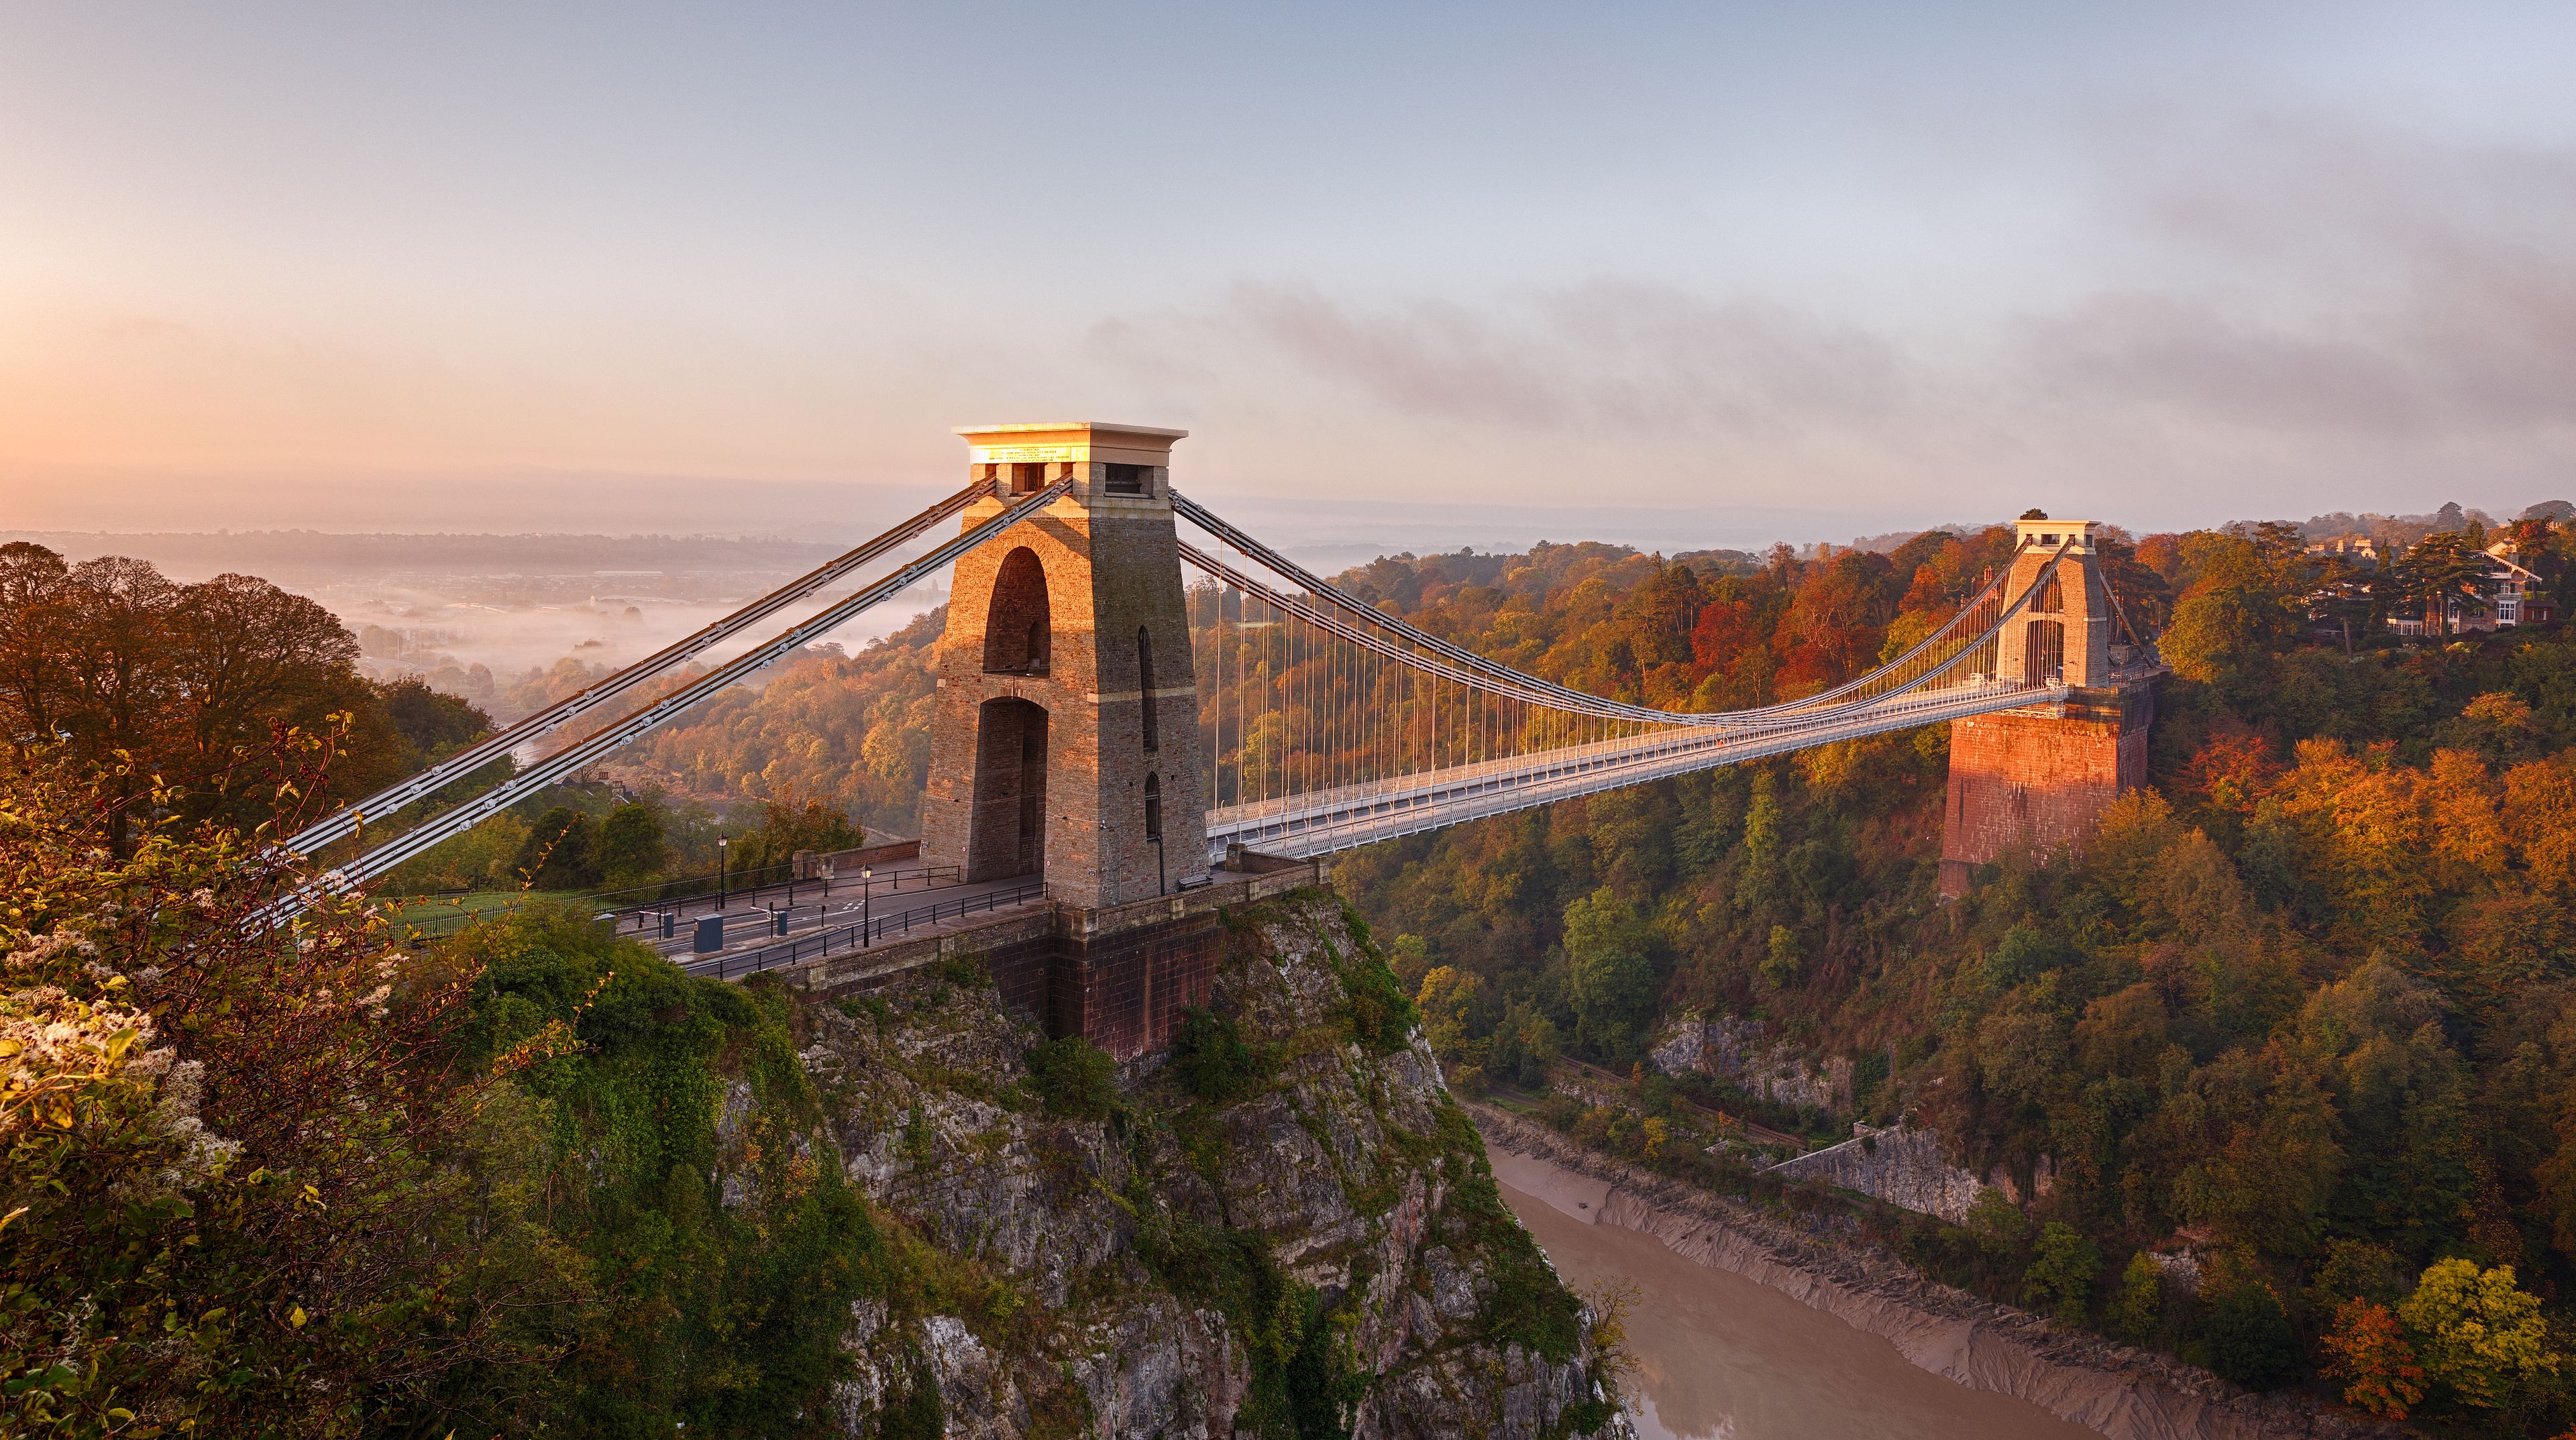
312, 555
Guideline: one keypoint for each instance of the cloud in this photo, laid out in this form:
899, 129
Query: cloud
2280, 313
1608, 354
2333, 279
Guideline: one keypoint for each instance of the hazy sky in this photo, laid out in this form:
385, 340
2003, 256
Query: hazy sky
1687, 273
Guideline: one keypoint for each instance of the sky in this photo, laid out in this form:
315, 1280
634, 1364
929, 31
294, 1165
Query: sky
1412, 275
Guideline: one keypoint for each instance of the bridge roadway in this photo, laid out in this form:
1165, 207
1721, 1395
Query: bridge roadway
1318, 822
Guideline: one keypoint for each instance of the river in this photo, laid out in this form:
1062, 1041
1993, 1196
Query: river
1721, 1357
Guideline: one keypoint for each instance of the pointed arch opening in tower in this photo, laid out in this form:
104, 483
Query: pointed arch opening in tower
1018, 634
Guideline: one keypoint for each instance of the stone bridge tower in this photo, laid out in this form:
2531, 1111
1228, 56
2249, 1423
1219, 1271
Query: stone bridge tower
2036, 779
1065, 739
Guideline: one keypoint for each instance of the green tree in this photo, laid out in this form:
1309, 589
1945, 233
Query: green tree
2137, 1307
633, 845
1610, 973
794, 824
2246, 590
1074, 1078
2443, 570
1998, 1225
2063, 1262
2248, 1333
720, 1272
435, 724
560, 852
1525, 1044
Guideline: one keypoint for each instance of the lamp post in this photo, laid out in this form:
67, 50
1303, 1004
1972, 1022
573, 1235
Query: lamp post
721, 843
867, 905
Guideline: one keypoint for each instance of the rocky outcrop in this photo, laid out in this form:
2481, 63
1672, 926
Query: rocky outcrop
2119, 1391
1325, 1234
1736, 1049
1899, 1165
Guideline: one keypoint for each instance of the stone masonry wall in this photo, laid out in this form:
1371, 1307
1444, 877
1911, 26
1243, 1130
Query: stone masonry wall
2036, 781
1120, 977
1111, 569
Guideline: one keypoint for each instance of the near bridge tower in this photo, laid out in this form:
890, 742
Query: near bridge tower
1065, 739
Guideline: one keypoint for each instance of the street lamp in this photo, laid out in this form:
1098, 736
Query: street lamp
867, 905
721, 843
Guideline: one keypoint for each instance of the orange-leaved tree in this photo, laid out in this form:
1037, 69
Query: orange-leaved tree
2367, 1350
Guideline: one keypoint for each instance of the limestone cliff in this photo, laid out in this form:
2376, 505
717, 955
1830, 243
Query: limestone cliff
1292, 1231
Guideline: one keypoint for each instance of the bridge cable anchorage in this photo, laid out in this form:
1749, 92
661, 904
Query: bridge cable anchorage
601, 742
1300, 578
350, 818
1496, 739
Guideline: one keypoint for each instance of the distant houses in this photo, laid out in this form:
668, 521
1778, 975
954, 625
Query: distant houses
2499, 593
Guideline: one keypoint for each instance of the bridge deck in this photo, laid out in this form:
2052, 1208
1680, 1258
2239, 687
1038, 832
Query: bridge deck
1321, 821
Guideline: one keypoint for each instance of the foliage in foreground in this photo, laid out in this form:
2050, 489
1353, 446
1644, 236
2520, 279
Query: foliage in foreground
239, 1181
304, 1182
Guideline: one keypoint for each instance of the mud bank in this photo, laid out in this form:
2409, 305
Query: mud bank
2113, 1389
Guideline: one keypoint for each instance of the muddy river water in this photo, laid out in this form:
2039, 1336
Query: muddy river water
1721, 1357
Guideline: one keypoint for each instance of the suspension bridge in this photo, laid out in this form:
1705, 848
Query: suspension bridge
1138, 699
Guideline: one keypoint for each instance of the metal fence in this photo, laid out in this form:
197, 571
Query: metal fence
680, 897
641, 919
841, 939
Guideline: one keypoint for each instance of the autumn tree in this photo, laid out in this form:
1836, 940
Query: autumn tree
2481, 1337
2367, 1350
107, 660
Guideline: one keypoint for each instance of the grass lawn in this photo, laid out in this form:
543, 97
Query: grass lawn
443, 914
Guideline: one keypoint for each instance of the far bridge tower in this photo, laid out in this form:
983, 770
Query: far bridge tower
2036, 779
